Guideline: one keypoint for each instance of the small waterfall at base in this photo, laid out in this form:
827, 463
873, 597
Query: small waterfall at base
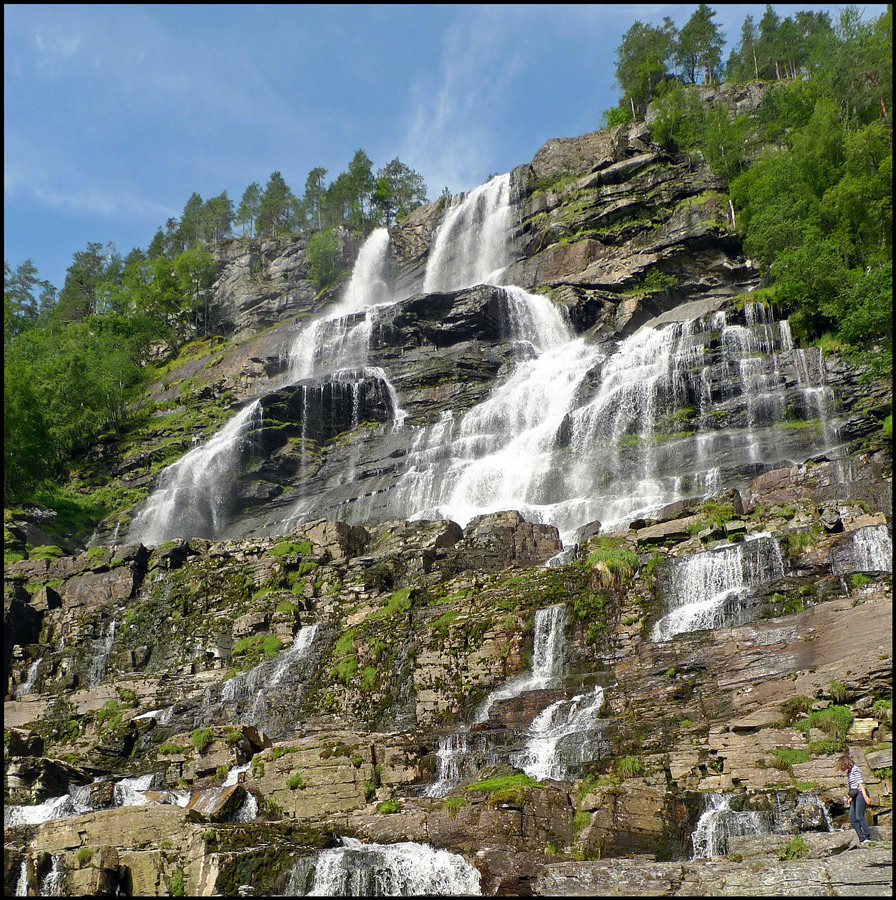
27, 686
404, 869
74, 803
458, 750
870, 549
562, 738
547, 660
259, 681
191, 497
22, 881
51, 884
711, 589
102, 649
719, 822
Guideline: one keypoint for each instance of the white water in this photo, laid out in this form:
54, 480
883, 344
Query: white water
719, 822
191, 497
547, 660
102, 648
870, 550
454, 751
708, 590
405, 869
51, 884
471, 244
75, 803
129, 791
562, 738
257, 682
22, 882
27, 686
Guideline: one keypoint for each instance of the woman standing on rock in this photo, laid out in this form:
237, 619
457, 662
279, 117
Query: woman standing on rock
858, 796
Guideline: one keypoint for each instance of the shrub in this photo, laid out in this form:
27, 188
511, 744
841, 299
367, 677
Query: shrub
504, 788
201, 738
860, 580
794, 849
84, 856
176, 883
295, 782
784, 757
169, 747
837, 691
629, 766
234, 736
793, 707
388, 806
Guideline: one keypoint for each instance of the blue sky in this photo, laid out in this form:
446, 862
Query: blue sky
114, 115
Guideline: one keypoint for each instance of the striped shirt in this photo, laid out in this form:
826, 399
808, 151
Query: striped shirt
854, 778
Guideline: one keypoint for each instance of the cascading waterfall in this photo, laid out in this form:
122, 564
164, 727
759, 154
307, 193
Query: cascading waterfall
547, 660
455, 751
22, 881
102, 649
710, 589
191, 498
51, 884
27, 686
562, 738
718, 822
576, 431
471, 243
870, 549
405, 869
75, 803
258, 681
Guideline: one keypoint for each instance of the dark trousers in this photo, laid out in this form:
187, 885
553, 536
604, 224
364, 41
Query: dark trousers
857, 817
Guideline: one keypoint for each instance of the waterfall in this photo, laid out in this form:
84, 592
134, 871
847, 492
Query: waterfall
562, 738
102, 649
27, 686
405, 869
455, 754
719, 822
51, 884
710, 589
22, 881
129, 791
258, 681
75, 803
340, 339
191, 497
470, 245
547, 660
870, 549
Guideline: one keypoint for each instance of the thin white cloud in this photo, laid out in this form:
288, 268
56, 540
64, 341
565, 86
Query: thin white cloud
452, 121
38, 172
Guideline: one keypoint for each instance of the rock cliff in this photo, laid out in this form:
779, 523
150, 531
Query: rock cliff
304, 673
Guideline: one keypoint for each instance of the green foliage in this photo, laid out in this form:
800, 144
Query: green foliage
508, 789
176, 883
84, 855
291, 548
629, 767
388, 806
887, 427
109, 716
793, 707
201, 739
399, 602
324, 254
834, 721
168, 747
234, 736
837, 691
795, 848
295, 782
784, 757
